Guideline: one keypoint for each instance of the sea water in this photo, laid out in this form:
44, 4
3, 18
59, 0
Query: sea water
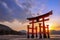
22, 37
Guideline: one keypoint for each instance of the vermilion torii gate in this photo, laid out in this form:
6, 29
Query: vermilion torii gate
36, 20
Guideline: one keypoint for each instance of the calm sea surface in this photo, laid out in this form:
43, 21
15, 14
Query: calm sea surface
23, 37
54, 36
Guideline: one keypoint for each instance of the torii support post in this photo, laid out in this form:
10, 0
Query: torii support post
48, 31
32, 36
44, 30
40, 33
36, 32
28, 36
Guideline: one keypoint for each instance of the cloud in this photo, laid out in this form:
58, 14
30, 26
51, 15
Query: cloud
10, 10
15, 25
24, 4
19, 9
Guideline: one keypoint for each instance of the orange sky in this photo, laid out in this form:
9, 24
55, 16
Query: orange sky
16, 25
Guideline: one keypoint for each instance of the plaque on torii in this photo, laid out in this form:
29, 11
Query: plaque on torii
36, 20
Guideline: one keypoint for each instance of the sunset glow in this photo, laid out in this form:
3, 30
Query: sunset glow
51, 28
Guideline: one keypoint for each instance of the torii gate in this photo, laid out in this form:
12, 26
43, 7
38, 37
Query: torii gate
36, 20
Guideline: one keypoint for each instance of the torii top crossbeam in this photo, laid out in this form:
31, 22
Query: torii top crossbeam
41, 16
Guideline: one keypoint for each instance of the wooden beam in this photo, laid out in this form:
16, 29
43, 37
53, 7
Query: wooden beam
40, 21
41, 16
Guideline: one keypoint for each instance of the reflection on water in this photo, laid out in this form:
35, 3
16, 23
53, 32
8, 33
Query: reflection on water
54, 36
22, 36
51, 36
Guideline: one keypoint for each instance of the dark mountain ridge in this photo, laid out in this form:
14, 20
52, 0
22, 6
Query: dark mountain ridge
5, 30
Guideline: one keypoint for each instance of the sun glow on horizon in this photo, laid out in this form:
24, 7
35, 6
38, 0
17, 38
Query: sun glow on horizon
51, 27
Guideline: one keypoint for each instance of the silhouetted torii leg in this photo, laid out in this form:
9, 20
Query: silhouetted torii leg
36, 32
28, 31
32, 36
44, 31
40, 34
48, 31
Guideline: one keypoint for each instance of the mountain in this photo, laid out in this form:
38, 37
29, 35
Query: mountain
55, 32
23, 31
5, 30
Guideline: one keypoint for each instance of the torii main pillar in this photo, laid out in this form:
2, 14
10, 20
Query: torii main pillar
44, 32
36, 20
